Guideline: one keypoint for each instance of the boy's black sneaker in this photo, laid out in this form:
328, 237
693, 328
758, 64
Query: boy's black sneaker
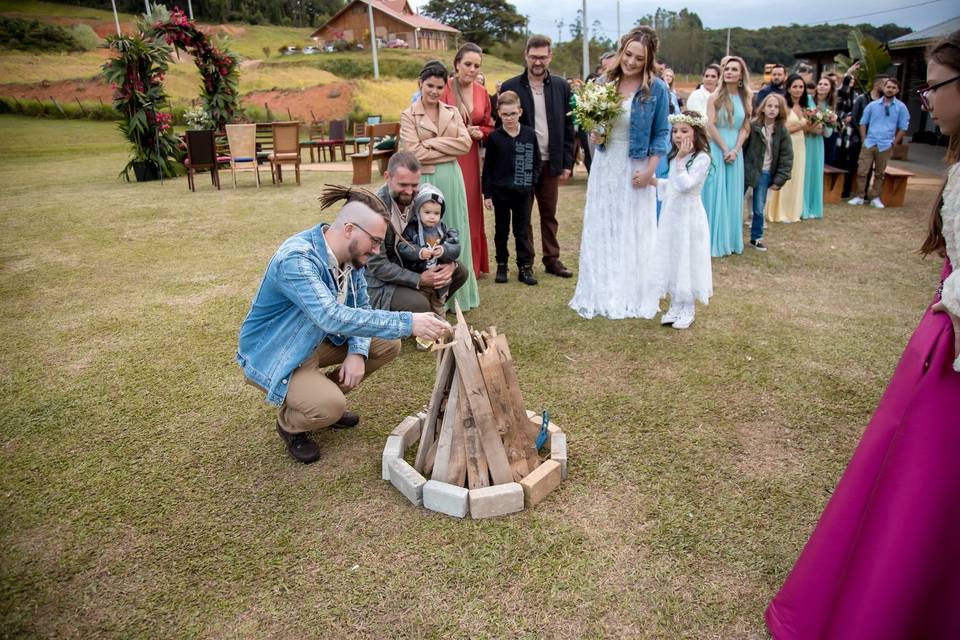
526, 276
501, 274
300, 447
758, 245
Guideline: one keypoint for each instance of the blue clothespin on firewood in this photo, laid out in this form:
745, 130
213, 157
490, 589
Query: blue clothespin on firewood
542, 436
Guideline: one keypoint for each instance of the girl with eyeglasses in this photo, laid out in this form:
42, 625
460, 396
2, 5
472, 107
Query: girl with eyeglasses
884, 560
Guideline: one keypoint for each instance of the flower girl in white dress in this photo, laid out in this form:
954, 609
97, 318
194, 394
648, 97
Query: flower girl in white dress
681, 259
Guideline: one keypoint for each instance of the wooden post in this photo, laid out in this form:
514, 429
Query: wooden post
445, 442
79, 104
57, 105
478, 473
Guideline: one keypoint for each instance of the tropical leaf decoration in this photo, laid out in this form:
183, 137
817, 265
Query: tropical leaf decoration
136, 75
873, 56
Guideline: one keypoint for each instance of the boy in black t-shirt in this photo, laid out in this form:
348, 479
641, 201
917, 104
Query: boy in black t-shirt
510, 171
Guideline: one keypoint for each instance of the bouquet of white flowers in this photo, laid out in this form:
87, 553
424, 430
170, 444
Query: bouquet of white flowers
595, 106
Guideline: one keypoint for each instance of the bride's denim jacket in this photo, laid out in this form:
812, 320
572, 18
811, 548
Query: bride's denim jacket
649, 127
296, 308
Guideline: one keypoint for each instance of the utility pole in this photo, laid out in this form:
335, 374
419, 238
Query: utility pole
585, 36
618, 22
728, 41
373, 42
116, 18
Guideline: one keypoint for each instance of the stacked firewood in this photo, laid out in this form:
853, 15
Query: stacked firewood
476, 432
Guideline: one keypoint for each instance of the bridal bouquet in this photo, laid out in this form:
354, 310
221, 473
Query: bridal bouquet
595, 106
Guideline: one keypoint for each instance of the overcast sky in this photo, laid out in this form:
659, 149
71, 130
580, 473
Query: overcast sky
916, 14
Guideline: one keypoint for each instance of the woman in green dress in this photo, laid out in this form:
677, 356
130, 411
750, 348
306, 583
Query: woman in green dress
436, 134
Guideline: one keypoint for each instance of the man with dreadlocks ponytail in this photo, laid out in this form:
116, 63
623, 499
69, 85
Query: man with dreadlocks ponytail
311, 312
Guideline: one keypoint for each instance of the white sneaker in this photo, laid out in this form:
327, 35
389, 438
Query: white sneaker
669, 316
856, 201
876, 204
684, 321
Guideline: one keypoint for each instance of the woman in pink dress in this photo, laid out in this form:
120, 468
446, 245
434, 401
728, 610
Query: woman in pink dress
884, 559
471, 99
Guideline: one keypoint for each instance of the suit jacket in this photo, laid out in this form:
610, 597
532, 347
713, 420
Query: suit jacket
556, 93
431, 143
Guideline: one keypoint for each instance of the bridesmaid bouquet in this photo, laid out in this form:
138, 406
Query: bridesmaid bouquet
822, 115
595, 106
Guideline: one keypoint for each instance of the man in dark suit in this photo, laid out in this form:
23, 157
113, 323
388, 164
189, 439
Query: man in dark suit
546, 109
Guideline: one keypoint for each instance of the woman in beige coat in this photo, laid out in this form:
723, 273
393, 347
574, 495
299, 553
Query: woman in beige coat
435, 133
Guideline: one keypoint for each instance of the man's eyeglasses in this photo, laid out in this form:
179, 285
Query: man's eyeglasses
538, 58
925, 91
374, 240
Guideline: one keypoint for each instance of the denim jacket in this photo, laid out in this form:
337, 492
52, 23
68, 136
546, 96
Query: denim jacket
649, 127
295, 309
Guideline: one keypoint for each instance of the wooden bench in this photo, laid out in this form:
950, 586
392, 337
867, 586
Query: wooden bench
832, 184
894, 189
363, 160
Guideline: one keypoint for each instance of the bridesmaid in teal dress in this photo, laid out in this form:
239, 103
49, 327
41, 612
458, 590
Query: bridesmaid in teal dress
728, 111
813, 175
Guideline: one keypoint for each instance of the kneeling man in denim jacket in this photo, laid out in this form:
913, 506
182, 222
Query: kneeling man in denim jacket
312, 312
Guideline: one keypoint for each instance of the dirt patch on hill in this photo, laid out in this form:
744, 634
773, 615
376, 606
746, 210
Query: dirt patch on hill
327, 102
63, 91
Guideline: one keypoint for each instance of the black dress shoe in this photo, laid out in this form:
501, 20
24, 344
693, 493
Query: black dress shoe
525, 275
557, 269
347, 420
300, 447
502, 275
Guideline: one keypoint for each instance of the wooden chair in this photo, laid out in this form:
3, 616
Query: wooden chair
363, 161
286, 150
242, 139
264, 141
361, 134
314, 136
201, 154
336, 137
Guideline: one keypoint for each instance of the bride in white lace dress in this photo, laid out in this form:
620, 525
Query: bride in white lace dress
620, 217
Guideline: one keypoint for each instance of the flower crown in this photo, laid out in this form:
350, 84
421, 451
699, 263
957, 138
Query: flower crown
693, 121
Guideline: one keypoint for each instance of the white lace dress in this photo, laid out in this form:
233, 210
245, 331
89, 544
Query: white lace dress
619, 227
680, 266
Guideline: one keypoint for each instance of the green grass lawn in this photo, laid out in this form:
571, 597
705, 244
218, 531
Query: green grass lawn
145, 493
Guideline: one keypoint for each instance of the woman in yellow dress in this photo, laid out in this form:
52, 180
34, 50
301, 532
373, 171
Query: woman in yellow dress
786, 205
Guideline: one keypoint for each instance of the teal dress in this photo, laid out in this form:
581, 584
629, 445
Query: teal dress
813, 177
449, 180
723, 190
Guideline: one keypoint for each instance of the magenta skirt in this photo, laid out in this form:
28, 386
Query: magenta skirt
884, 559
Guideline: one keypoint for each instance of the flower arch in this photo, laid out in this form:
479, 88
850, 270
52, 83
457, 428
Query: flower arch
218, 67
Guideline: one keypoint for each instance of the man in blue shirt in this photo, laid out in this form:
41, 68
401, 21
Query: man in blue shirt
312, 312
882, 126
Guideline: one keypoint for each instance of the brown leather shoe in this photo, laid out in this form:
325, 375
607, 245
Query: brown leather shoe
347, 420
557, 269
299, 445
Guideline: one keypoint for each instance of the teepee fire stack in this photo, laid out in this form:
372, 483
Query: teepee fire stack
477, 442
476, 433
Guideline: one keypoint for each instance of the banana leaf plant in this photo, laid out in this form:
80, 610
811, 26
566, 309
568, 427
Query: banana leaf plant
872, 54
136, 75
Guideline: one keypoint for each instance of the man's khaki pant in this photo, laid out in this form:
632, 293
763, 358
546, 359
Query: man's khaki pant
877, 159
314, 397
